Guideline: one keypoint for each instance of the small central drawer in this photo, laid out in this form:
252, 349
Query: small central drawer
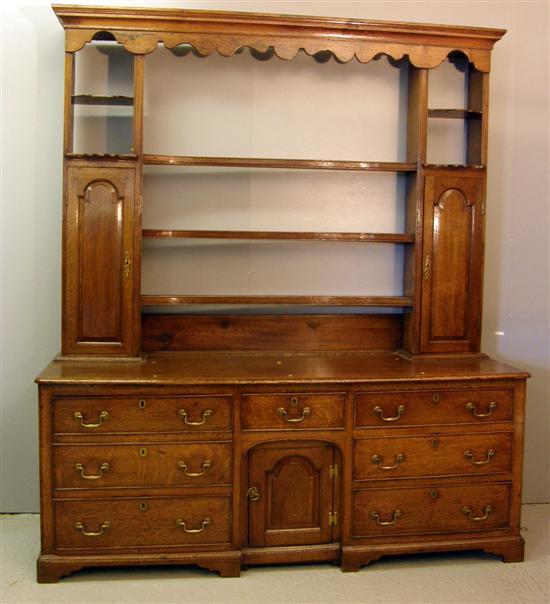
145, 522
293, 411
428, 407
443, 509
431, 455
151, 465
146, 414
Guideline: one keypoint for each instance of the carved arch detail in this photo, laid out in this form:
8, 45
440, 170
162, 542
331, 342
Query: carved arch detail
442, 199
88, 188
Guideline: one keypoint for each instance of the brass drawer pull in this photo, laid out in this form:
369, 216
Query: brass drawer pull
205, 415
472, 407
105, 526
103, 416
104, 467
181, 524
205, 466
379, 412
293, 420
468, 512
470, 457
376, 517
377, 460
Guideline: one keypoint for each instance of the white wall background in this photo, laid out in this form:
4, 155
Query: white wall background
516, 304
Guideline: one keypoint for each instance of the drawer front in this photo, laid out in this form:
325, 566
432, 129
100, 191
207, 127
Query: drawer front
402, 408
431, 455
95, 415
127, 523
166, 464
293, 411
430, 510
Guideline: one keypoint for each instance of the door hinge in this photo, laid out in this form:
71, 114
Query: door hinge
332, 518
334, 471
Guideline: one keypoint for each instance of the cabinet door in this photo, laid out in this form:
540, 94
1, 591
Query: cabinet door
452, 262
295, 486
99, 267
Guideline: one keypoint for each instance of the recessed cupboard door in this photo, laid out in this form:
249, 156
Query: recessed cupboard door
99, 273
291, 494
452, 261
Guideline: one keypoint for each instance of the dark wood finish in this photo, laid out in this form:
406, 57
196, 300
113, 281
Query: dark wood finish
432, 455
90, 99
433, 407
142, 414
452, 262
268, 332
282, 235
279, 163
180, 300
356, 450
296, 494
293, 411
98, 261
430, 510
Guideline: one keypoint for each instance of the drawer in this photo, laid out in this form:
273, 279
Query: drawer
430, 510
151, 465
90, 415
426, 407
127, 523
431, 455
293, 411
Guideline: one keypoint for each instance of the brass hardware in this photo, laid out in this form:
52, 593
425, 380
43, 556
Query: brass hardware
332, 518
182, 524
434, 494
205, 415
435, 443
253, 493
377, 460
142, 403
468, 512
143, 452
183, 467
103, 416
436, 397
104, 527
293, 420
143, 506
376, 517
333, 472
126, 263
380, 413
427, 266
470, 457
104, 467
472, 407
482, 208
294, 401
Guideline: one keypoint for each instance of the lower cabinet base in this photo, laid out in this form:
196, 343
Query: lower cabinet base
50, 568
511, 549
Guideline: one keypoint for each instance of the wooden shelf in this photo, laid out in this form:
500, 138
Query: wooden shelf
396, 301
293, 164
280, 235
455, 166
90, 99
454, 114
100, 156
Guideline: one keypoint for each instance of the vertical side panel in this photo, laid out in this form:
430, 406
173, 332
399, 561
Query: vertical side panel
452, 262
98, 261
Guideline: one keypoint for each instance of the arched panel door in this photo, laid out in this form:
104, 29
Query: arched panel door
452, 262
292, 494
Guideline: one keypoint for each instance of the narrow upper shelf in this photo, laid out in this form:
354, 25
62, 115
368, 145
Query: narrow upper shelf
293, 164
281, 235
454, 114
90, 99
396, 301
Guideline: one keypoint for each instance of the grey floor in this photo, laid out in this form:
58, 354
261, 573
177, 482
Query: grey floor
460, 578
